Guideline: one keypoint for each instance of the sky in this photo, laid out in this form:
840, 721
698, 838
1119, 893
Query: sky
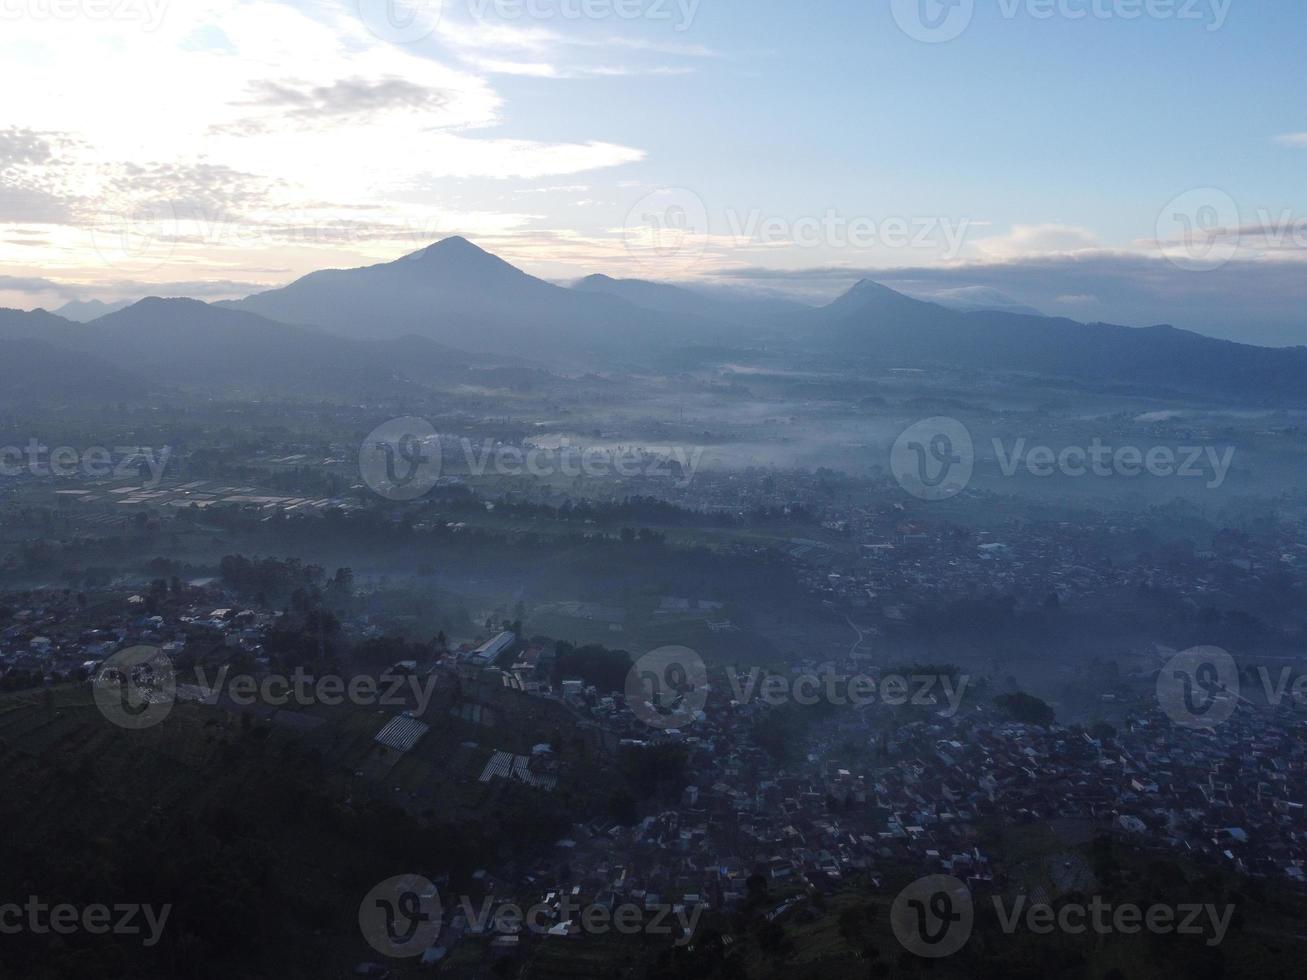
1136, 161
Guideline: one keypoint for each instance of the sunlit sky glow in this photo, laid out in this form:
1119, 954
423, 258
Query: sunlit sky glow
213, 147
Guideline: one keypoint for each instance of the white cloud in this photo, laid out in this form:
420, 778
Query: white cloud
1045, 239
236, 129
1292, 139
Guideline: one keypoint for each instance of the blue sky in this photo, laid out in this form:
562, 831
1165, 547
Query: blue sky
215, 146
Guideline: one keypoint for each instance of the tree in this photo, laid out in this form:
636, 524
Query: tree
1026, 708
622, 808
855, 922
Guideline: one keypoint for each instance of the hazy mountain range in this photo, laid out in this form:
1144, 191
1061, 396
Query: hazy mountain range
452, 308
84, 311
157, 345
468, 298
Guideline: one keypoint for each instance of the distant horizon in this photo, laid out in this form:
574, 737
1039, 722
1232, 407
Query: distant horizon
873, 141
930, 286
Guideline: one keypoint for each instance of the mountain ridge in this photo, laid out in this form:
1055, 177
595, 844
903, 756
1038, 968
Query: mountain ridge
874, 320
461, 295
342, 326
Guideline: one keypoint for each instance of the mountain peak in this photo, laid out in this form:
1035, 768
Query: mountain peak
869, 287
454, 245
84, 311
455, 259
867, 293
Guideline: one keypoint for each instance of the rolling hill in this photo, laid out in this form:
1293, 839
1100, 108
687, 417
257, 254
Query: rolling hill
161, 344
875, 321
39, 372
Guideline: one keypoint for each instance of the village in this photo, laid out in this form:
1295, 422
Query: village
855, 794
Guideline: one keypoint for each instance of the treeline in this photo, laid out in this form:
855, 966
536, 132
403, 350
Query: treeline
748, 571
605, 669
268, 577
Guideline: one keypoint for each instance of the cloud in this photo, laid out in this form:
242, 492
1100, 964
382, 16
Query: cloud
541, 69
495, 42
37, 285
115, 289
24, 146
1292, 139
1037, 240
21, 203
245, 133
344, 98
